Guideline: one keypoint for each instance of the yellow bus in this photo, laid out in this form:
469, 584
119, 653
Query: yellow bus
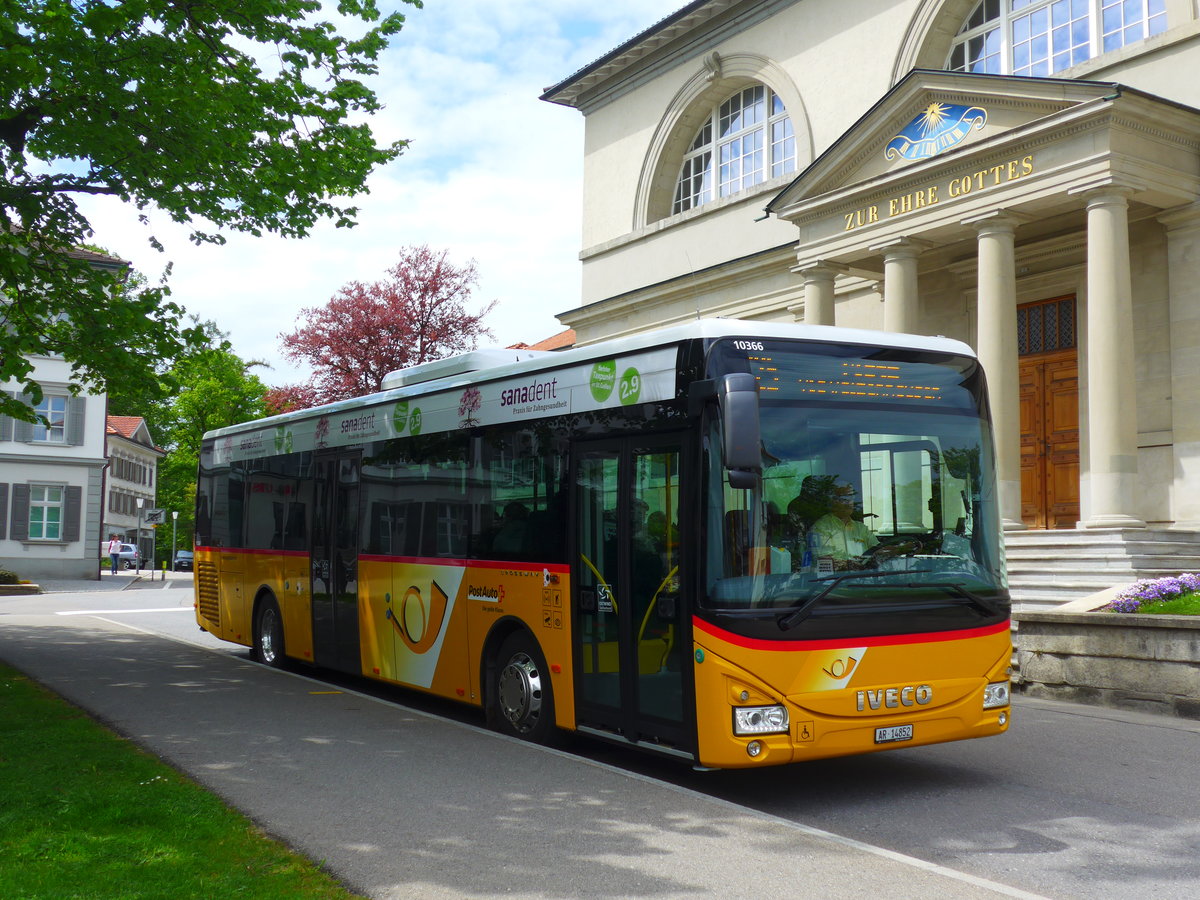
735, 543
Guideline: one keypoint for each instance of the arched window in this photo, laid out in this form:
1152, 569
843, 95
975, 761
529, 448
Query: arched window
744, 141
1041, 37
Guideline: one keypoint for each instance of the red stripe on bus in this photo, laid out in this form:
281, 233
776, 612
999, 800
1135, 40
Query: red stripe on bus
887, 640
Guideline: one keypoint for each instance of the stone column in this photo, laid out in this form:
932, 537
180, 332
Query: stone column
818, 294
1112, 397
901, 308
1183, 279
996, 344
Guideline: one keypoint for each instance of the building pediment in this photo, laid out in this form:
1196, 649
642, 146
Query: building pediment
943, 149
931, 117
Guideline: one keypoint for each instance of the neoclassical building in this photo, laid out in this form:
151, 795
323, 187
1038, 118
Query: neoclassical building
1022, 175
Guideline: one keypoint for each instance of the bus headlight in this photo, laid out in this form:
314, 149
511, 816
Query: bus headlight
995, 695
760, 720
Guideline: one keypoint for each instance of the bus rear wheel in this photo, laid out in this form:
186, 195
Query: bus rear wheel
268, 635
523, 700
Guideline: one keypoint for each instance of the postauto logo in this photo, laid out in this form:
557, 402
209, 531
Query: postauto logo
486, 593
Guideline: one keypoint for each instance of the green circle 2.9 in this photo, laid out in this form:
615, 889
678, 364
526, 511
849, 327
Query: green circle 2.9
630, 387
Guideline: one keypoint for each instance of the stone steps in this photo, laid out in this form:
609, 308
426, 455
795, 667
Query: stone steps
1049, 568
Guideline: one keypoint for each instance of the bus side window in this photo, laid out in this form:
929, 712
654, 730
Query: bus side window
521, 516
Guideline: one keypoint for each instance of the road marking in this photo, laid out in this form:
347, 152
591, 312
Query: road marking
118, 612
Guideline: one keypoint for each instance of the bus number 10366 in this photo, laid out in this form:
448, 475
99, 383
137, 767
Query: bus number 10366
748, 345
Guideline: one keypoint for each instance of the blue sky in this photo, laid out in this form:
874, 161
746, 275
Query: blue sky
492, 174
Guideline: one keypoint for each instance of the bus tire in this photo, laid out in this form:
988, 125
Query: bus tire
268, 635
522, 700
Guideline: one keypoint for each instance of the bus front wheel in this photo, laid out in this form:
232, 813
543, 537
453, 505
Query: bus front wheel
268, 635
522, 699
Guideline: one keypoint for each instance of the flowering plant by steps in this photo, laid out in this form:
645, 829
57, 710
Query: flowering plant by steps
1142, 596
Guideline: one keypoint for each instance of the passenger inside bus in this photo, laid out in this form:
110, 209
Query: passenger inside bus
513, 535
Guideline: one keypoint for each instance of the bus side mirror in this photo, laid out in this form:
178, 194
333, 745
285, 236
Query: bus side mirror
737, 395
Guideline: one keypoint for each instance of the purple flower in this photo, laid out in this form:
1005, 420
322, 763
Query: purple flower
1156, 590
1124, 605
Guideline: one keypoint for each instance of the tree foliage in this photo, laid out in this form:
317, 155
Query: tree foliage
226, 114
416, 314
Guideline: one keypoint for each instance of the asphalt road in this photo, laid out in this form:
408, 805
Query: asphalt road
1075, 801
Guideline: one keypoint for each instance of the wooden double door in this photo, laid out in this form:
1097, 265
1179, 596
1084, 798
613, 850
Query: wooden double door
1050, 439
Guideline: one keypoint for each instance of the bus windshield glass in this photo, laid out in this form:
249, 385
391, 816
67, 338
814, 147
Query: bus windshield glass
876, 500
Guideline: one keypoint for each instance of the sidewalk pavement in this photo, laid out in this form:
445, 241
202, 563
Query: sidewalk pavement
123, 581
400, 804
107, 582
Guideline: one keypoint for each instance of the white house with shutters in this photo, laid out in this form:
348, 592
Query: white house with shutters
51, 480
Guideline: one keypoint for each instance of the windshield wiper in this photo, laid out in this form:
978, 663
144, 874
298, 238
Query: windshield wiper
972, 599
804, 609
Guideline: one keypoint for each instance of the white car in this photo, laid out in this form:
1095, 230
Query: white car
127, 558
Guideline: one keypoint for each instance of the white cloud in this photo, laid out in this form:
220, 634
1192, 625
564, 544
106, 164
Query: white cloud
492, 174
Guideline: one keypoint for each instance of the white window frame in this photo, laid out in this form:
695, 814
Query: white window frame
1017, 37
746, 139
54, 409
41, 499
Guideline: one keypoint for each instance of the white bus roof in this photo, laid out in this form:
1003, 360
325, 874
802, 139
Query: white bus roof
482, 366
463, 364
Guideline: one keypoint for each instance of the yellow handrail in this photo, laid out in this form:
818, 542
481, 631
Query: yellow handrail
650, 608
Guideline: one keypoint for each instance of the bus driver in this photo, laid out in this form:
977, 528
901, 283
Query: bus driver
839, 534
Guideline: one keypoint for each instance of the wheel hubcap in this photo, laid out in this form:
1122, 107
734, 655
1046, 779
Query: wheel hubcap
266, 639
520, 691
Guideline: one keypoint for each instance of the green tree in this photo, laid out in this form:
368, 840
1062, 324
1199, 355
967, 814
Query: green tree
225, 114
153, 397
218, 389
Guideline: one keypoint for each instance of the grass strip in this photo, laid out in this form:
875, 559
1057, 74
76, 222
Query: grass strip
86, 814
1187, 605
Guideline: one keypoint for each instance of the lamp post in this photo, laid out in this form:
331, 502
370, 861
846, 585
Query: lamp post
138, 543
174, 524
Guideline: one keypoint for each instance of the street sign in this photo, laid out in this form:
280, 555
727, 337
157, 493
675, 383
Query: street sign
154, 517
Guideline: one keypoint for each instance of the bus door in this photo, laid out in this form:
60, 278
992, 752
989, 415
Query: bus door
627, 638
335, 561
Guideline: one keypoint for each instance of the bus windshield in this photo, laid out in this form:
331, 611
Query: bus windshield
876, 496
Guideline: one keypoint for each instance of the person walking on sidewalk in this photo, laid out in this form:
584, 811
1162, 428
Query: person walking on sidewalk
114, 552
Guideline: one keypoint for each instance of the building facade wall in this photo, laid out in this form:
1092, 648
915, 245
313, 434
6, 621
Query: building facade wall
132, 475
50, 486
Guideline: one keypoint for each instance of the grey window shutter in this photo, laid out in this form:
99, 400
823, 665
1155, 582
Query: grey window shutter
23, 431
75, 409
6, 431
3, 510
20, 513
71, 513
